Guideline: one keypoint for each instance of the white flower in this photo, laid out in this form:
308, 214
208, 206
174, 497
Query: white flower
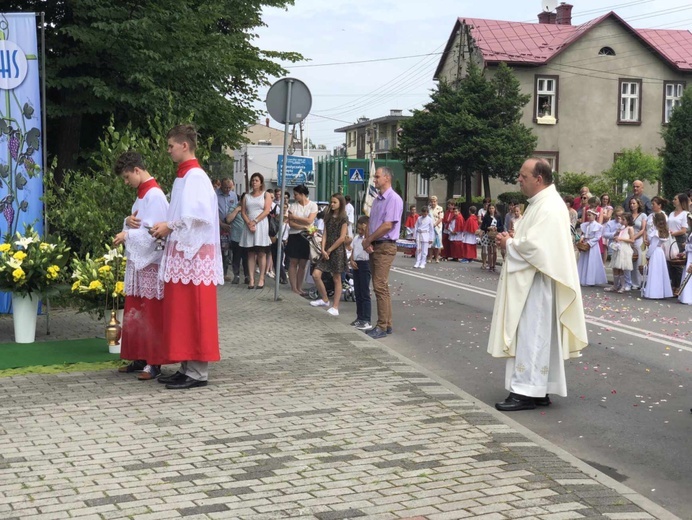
14, 263
24, 241
112, 255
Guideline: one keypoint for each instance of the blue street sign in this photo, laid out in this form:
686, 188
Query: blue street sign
356, 175
299, 170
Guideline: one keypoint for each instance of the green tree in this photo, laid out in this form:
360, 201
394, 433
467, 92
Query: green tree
469, 130
676, 173
131, 59
633, 164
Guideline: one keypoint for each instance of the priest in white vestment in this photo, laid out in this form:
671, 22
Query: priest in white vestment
538, 319
191, 267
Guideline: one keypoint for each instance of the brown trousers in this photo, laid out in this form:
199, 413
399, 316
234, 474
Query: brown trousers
380, 263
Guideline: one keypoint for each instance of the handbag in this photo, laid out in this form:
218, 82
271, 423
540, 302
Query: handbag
273, 225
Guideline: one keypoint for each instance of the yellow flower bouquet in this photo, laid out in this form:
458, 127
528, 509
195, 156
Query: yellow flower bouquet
30, 264
99, 283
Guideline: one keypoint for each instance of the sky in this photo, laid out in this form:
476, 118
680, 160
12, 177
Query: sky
404, 39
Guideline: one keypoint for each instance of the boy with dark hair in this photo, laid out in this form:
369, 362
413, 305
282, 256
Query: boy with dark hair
360, 263
191, 267
143, 314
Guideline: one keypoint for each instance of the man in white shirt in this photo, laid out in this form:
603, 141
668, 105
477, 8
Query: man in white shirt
350, 214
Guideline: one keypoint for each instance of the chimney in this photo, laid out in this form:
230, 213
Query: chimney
266, 122
564, 14
396, 112
546, 17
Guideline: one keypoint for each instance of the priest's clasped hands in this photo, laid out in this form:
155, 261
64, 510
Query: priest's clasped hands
501, 239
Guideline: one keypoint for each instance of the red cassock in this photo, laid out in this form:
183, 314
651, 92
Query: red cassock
448, 217
456, 246
470, 249
142, 327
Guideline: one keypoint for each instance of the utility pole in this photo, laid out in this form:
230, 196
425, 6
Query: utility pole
302, 144
247, 184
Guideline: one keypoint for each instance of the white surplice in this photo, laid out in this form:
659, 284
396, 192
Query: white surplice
143, 258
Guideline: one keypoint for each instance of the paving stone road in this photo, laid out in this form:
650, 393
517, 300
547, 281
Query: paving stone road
303, 418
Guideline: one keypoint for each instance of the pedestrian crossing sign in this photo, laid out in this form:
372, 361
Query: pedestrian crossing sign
356, 175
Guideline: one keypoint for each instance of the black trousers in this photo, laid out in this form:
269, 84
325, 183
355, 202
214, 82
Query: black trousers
237, 255
361, 286
275, 251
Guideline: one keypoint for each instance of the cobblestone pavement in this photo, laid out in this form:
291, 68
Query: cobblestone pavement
303, 418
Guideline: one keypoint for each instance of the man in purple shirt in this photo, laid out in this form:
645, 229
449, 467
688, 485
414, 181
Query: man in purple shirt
383, 232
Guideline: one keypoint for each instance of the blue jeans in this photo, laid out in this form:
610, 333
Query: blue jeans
361, 286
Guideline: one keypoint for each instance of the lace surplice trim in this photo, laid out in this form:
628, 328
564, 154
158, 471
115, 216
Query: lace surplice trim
205, 267
143, 283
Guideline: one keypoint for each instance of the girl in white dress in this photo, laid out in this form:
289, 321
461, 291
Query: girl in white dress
621, 260
255, 238
677, 225
685, 295
657, 279
639, 228
590, 264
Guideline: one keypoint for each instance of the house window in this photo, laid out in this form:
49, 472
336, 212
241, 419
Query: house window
545, 96
606, 51
552, 158
422, 186
630, 101
672, 94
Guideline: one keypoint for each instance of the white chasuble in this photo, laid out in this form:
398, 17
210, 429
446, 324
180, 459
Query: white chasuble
539, 277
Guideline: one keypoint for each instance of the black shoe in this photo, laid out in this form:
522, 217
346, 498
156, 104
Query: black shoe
133, 366
173, 378
283, 281
183, 384
389, 330
247, 280
516, 402
236, 280
542, 401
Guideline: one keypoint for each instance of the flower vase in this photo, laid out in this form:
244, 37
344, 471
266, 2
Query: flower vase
24, 315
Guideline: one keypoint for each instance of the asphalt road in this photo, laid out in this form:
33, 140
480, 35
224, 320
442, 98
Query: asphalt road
628, 409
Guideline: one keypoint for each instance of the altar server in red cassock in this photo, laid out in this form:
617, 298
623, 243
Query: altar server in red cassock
456, 236
448, 217
191, 267
143, 314
470, 248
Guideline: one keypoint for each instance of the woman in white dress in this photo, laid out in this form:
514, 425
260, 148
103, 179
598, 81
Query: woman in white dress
657, 280
677, 225
685, 295
639, 226
590, 264
255, 238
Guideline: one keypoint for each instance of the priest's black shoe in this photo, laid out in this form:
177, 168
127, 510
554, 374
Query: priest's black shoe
542, 401
173, 378
188, 382
516, 402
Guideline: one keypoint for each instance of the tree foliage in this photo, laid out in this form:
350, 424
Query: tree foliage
130, 59
633, 164
676, 173
89, 207
569, 183
469, 130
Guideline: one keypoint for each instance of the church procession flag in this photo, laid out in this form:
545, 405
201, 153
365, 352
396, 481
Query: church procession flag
21, 151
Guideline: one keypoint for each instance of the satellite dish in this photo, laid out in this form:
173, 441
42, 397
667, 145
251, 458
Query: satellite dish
548, 6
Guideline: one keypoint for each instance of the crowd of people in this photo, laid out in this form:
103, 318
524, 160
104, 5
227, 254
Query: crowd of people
649, 250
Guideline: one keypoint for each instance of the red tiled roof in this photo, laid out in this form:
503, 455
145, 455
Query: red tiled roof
675, 46
518, 43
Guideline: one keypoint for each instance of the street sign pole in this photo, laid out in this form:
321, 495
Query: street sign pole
280, 234
289, 108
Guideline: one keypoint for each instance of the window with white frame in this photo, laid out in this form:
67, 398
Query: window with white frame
546, 91
422, 186
672, 95
630, 101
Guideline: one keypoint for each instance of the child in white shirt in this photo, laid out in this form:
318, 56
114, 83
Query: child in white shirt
423, 233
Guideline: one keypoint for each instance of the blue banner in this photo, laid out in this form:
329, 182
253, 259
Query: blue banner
21, 150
